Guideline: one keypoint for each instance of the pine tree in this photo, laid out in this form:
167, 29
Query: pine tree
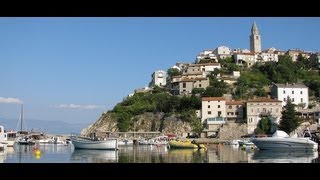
289, 122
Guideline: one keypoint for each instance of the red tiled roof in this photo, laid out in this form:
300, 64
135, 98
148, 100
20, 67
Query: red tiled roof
205, 64
234, 103
213, 99
263, 100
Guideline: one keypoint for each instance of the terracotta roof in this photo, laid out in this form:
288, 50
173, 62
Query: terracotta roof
213, 99
205, 64
200, 78
264, 100
195, 73
234, 103
186, 80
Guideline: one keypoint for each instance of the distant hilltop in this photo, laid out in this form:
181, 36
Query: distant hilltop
51, 127
221, 87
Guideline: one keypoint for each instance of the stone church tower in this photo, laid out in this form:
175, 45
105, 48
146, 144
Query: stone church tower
255, 39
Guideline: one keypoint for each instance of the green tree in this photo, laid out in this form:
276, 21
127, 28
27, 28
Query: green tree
314, 61
173, 72
196, 125
289, 122
264, 126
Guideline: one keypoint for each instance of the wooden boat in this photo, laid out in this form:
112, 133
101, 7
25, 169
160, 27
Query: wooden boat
88, 143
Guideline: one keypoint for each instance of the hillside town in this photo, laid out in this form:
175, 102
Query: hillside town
217, 111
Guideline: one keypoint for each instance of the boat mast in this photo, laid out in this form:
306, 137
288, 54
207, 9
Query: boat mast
21, 118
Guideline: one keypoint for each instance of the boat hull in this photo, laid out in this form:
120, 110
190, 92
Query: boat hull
109, 144
271, 143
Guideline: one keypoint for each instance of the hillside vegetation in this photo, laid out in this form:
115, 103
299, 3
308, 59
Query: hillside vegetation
254, 81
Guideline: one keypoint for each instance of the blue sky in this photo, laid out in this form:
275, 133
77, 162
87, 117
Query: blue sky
73, 69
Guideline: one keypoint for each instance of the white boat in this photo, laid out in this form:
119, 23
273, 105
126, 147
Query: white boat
125, 142
280, 140
88, 143
4, 139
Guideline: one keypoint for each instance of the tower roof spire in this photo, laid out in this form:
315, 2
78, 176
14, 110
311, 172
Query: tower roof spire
254, 28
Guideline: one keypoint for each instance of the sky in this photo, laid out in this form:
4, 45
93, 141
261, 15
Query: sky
72, 69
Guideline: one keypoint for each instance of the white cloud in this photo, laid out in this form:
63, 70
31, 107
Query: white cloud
78, 107
10, 100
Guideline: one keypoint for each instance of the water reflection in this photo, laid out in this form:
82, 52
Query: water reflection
227, 154
187, 156
269, 156
94, 156
152, 154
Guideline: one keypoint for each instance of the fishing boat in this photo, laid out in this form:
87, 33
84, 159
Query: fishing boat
80, 142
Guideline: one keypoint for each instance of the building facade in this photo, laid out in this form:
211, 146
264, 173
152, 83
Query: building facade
159, 78
298, 93
262, 107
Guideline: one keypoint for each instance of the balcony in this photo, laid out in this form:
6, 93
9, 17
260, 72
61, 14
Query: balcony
216, 120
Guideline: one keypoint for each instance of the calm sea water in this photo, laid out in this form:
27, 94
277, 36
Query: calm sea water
152, 154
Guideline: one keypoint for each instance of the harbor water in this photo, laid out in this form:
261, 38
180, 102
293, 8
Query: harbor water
219, 153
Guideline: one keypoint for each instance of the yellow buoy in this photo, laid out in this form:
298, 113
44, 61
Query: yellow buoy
37, 153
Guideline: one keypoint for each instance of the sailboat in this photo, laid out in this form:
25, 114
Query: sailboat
24, 139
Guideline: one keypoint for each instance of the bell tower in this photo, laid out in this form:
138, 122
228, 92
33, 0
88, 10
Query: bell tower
255, 39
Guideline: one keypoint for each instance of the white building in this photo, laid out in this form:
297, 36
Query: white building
266, 57
298, 94
213, 107
159, 78
245, 59
222, 52
213, 114
206, 54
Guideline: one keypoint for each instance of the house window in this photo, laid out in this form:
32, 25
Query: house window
252, 110
209, 112
230, 107
237, 106
264, 110
284, 92
257, 37
218, 106
219, 113
292, 99
292, 92
203, 69
232, 113
184, 85
199, 85
300, 92
237, 113
208, 106
301, 99
284, 99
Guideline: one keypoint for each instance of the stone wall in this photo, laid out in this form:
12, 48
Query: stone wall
232, 130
